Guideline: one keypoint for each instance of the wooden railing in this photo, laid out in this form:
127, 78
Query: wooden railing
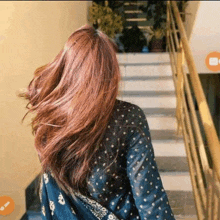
203, 161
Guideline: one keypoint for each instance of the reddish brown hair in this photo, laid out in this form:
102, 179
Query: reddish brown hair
73, 98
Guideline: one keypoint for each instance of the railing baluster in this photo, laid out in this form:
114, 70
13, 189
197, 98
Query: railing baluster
195, 156
199, 139
173, 48
200, 211
179, 88
205, 180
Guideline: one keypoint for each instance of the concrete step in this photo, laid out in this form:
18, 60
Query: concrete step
172, 164
155, 69
187, 217
144, 78
176, 181
131, 7
162, 123
157, 112
168, 148
143, 58
139, 23
151, 102
139, 15
147, 85
182, 203
165, 135
134, 3
147, 93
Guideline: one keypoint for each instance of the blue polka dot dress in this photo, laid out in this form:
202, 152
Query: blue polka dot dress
125, 182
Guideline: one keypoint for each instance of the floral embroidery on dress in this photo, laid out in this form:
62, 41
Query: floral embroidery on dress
52, 207
40, 191
61, 199
43, 211
46, 178
98, 210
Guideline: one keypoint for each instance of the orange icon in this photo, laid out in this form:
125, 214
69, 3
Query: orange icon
7, 205
212, 61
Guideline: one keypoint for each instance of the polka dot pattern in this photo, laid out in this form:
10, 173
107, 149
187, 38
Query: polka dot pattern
125, 180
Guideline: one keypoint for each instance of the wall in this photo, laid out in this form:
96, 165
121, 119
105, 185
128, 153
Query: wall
205, 34
31, 34
191, 13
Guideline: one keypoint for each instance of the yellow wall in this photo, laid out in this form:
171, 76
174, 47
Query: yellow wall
31, 34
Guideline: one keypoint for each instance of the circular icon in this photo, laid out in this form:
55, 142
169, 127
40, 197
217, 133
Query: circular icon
212, 61
7, 205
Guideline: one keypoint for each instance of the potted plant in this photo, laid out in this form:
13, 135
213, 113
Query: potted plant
105, 19
133, 39
157, 11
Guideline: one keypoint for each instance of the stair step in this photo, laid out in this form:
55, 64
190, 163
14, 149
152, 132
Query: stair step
190, 217
146, 78
131, 7
148, 85
146, 93
159, 111
139, 23
182, 203
162, 123
172, 164
151, 102
165, 135
143, 58
136, 15
134, 3
168, 148
146, 69
144, 63
176, 181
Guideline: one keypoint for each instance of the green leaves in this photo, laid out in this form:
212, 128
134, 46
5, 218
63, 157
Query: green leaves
105, 19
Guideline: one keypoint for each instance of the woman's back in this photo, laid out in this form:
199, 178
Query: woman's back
124, 182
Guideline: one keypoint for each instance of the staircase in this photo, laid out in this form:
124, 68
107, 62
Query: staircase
147, 82
134, 16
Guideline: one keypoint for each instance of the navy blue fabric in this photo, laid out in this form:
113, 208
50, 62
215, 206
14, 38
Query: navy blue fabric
125, 182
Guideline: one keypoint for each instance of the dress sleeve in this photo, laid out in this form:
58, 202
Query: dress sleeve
150, 197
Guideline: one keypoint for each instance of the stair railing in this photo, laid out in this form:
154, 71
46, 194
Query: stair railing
203, 161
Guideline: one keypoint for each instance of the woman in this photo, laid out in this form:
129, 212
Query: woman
96, 152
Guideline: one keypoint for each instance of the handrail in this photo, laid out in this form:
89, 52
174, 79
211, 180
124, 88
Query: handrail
205, 114
205, 177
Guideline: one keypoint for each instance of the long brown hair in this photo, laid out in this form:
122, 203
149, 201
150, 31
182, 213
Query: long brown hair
73, 98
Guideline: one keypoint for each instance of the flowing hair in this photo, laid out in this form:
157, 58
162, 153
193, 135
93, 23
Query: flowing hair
73, 99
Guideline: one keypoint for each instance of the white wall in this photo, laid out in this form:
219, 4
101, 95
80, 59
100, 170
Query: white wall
205, 36
190, 16
31, 34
